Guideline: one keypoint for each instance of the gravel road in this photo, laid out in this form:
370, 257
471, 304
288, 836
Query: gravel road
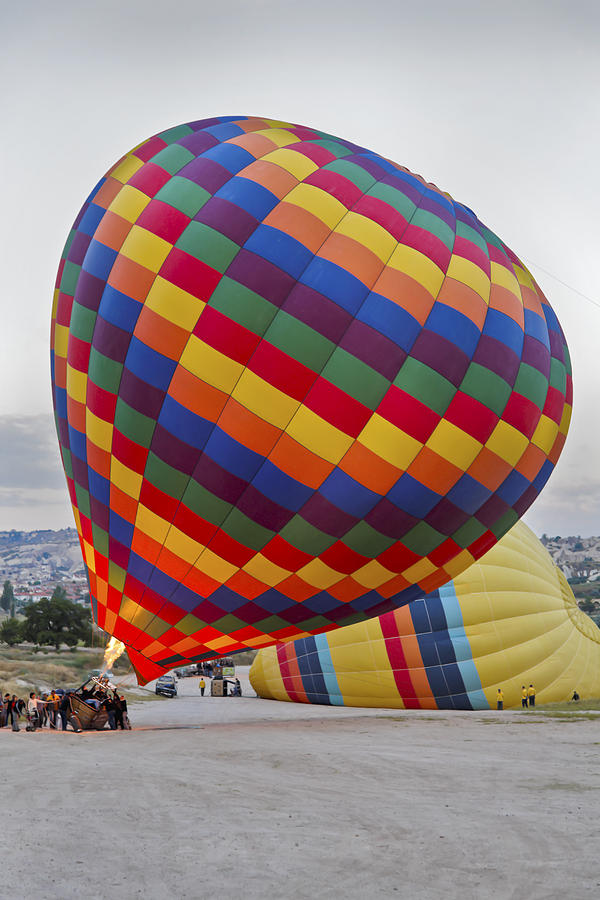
220, 797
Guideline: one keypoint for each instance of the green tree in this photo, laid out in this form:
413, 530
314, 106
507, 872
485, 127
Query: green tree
8, 597
56, 621
11, 632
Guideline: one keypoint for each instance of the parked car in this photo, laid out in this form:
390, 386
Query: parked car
187, 671
166, 685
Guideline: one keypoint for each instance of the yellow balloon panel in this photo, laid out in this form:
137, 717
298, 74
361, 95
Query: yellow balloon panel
510, 620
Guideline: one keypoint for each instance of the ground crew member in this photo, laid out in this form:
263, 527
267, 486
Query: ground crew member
500, 700
111, 707
119, 723
524, 697
531, 695
52, 707
4, 710
63, 708
13, 712
202, 685
126, 722
32, 709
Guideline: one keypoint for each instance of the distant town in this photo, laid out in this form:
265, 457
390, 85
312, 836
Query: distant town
35, 562
578, 557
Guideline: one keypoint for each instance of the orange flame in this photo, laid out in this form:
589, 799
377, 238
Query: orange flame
113, 651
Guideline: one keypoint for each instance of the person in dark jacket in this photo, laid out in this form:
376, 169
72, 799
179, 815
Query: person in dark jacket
118, 712
63, 708
4, 711
111, 707
12, 712
126, 722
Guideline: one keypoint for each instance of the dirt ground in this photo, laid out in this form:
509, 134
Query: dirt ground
248, 798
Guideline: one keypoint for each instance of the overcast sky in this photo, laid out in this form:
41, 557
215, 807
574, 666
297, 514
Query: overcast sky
496, 103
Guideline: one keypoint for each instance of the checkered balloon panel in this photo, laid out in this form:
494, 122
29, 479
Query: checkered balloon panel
295, 386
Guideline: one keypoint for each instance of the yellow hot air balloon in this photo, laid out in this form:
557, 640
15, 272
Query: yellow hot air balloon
509, 621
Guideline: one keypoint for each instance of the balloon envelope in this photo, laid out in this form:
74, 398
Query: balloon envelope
295, 386
510, 620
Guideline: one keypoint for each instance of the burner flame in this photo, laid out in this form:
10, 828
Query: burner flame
113, 651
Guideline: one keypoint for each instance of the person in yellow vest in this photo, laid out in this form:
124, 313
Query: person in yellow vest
531, 695
202, 685
524, 697
499, 699
52, 707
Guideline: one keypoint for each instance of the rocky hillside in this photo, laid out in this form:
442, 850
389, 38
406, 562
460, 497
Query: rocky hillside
578, 557
36, 561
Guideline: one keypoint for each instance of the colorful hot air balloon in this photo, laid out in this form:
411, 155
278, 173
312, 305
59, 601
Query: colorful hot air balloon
295, 386
510, 619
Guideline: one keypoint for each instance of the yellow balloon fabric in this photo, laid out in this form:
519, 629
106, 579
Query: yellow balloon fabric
509, 621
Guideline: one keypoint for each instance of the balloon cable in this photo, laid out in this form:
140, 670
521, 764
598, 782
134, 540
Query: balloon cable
564, 283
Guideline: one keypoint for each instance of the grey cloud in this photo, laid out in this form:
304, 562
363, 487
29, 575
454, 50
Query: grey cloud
569, 505
30, 457
33, 490
29, 498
